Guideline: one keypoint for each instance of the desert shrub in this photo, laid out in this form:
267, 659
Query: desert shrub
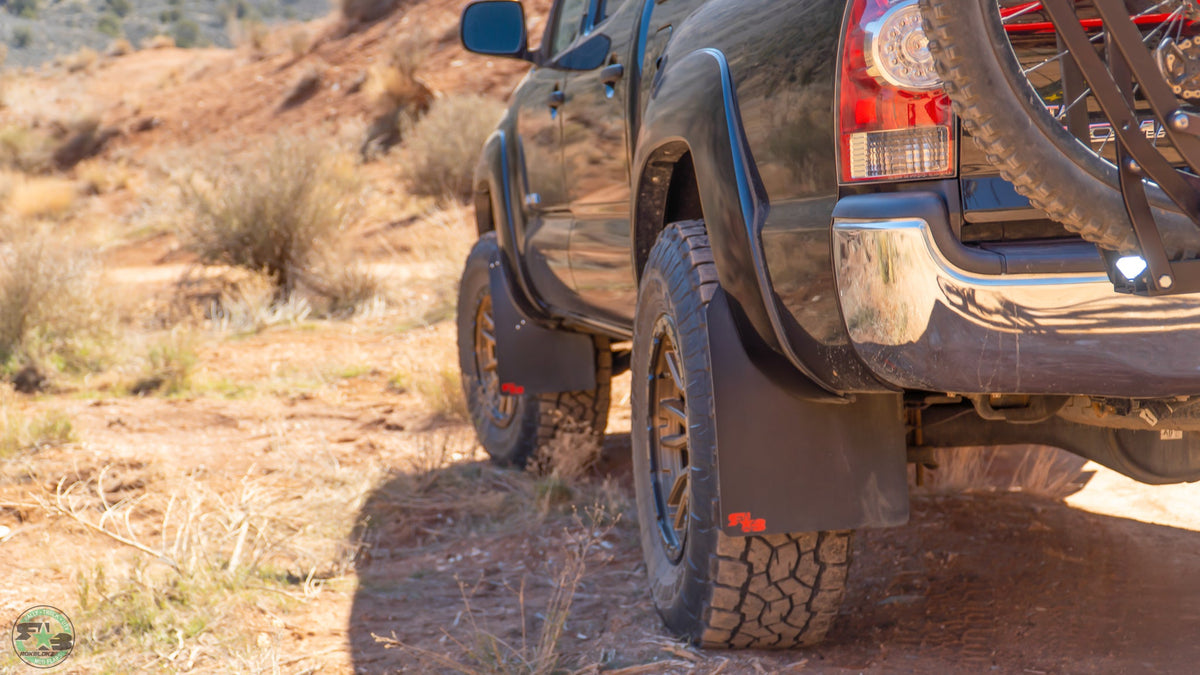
83, 137
350, 288
169, 366
97, 177
186, 34
121, 8
397, 95
85, 59
120, 47
443, 146
49, 309
158, 42
24, 8
109, 24
20, 431
272, 212
365, 11
22, 37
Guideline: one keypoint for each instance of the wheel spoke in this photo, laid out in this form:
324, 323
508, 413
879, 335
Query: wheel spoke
674, 407
674, 441
672, 359
681, 513
678, 489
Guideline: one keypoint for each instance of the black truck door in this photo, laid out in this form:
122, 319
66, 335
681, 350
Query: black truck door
539, 125
596, 161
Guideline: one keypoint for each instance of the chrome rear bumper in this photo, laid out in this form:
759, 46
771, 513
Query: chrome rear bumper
921, 322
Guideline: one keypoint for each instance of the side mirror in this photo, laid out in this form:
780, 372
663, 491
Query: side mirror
495, 28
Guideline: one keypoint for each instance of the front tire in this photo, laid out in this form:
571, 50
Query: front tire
776, 591
511, 427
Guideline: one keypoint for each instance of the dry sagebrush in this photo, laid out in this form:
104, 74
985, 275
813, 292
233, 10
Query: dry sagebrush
441, 150
274, 212
50, 311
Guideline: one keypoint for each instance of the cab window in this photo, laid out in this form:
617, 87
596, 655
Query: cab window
568, 24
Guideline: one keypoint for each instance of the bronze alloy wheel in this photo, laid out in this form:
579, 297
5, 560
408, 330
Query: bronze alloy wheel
669, 461
500, 407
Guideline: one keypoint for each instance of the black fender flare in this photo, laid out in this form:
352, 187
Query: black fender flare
496, 169
732, 195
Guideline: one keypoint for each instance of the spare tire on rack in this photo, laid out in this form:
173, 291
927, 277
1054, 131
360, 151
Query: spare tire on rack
999, 60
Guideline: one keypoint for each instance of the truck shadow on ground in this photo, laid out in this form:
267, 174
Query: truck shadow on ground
976, 582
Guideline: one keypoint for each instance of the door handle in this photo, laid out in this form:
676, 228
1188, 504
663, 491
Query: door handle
612, 74
556, 99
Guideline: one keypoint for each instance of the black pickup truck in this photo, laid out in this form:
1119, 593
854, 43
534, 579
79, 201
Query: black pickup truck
768, 212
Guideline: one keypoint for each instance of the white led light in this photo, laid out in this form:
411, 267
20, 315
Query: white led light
900, 152
897, 50
1131, 266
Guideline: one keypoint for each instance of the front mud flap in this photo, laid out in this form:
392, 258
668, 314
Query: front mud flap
788, 459
532, 359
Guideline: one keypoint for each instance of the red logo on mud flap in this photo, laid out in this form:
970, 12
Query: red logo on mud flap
748, 524
512, 389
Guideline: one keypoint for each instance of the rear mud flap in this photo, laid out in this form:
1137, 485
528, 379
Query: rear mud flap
790, 463
533, 359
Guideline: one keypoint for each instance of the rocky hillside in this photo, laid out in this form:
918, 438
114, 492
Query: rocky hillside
36, 31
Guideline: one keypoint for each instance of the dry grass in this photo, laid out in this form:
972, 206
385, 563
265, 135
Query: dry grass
393, 84
20, 431
442, 390
98, 177
272, 212
485, 652
169, 366
50, 312
563, 465
441, 150
299, 42
203, 555
33, 198
1034, 469
159, 42
25, 149
251, 303
120, 47
350, 289
83, 60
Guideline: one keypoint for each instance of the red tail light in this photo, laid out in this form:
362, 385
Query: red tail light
894, 120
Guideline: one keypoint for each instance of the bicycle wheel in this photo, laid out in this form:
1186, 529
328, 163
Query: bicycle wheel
1023, 96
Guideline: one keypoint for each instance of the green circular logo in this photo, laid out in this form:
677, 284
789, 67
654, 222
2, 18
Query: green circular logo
43, 636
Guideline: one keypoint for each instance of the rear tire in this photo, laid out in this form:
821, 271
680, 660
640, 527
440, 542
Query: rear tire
717, 591
512, 427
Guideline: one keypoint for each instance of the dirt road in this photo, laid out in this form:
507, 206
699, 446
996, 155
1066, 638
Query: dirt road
1006, 582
